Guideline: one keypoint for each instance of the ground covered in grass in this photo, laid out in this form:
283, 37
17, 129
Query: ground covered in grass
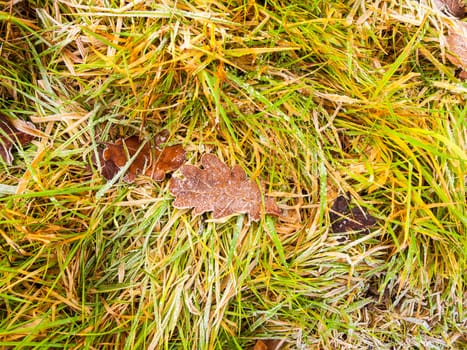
315, 99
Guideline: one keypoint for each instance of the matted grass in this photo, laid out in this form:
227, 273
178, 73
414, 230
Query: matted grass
314, 98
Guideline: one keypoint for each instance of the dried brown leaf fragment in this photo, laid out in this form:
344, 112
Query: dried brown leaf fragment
268, 344
346, 219
219, 189
456, 43
149, 160
455, 8
120, 152
9, 136
108, 169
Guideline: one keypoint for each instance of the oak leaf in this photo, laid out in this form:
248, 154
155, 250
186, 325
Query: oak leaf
151, 161
456, 43
219, 189
9, 136
345, 219
455, 8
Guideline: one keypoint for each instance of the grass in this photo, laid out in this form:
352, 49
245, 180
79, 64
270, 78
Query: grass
314, 98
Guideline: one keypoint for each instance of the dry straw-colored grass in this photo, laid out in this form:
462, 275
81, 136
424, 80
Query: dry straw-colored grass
314, 98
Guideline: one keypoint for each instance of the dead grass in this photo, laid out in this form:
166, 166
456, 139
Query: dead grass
314, 98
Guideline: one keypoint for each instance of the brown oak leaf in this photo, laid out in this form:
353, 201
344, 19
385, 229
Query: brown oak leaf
150, 161
456, 43
9, 136
455, 8
219, 189
345, 219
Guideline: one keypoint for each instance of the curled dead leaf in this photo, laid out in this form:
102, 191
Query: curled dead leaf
11, 135
150, 161
219, 189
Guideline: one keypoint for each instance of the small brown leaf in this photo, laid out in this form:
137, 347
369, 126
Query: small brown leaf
455, 8
151, 161
219, 189
268, 344
108, 167
462, 74
260, 345
169, 159
120, 152
9, 135
345, 219
456, 42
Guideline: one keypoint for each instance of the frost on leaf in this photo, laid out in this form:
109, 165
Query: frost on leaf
456, 43
9, 136
345, 219
151, 161
219, 189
